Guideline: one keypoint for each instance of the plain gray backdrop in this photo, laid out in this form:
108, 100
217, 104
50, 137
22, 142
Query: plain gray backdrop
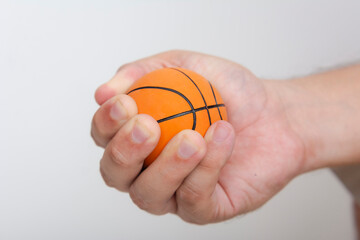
53, 55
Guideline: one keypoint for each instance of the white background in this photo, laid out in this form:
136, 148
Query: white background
53, 55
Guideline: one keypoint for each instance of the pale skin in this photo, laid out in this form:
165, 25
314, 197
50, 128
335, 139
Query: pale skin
276, 130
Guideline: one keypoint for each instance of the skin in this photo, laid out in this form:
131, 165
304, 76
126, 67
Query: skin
357, 216
276, 131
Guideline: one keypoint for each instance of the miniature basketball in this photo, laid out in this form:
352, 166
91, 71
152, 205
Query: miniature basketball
178, 99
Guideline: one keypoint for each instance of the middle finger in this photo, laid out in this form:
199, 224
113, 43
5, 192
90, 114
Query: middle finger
124, 155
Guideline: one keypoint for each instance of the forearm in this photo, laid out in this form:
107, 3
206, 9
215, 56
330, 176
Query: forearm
324, 110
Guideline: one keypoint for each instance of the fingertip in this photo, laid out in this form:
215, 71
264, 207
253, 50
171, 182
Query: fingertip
128, 103
111, 116
220, 132
104, 93
150, 123
192, 144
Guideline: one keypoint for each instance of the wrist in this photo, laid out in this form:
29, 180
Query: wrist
325, 117
303, 111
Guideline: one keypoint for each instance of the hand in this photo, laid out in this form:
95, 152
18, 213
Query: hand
235, 168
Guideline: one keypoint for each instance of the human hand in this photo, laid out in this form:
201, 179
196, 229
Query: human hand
235, 168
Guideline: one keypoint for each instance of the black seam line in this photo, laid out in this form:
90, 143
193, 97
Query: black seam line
174, 91
198, 90
215, 100
187, 112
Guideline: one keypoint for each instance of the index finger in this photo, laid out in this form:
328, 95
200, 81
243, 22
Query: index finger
129, 73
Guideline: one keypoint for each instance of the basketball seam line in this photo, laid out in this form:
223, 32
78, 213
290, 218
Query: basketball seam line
176, 92
187, 112
215, 100
198, 90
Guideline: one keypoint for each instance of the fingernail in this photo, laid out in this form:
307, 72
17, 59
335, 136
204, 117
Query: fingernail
117, 111
139, 133
221, 132
186, 149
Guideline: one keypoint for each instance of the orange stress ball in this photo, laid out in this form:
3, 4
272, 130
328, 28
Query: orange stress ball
178, 99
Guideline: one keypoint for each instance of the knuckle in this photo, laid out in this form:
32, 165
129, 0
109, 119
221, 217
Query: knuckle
95, 122
168, 175
106, 178
173, 57
132, 70
174, 52
138, 200
195, 220
99, 144
122, 67
122, 187
118, 157
153, 207
212, 163
96, 140
96, 131
189, 195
